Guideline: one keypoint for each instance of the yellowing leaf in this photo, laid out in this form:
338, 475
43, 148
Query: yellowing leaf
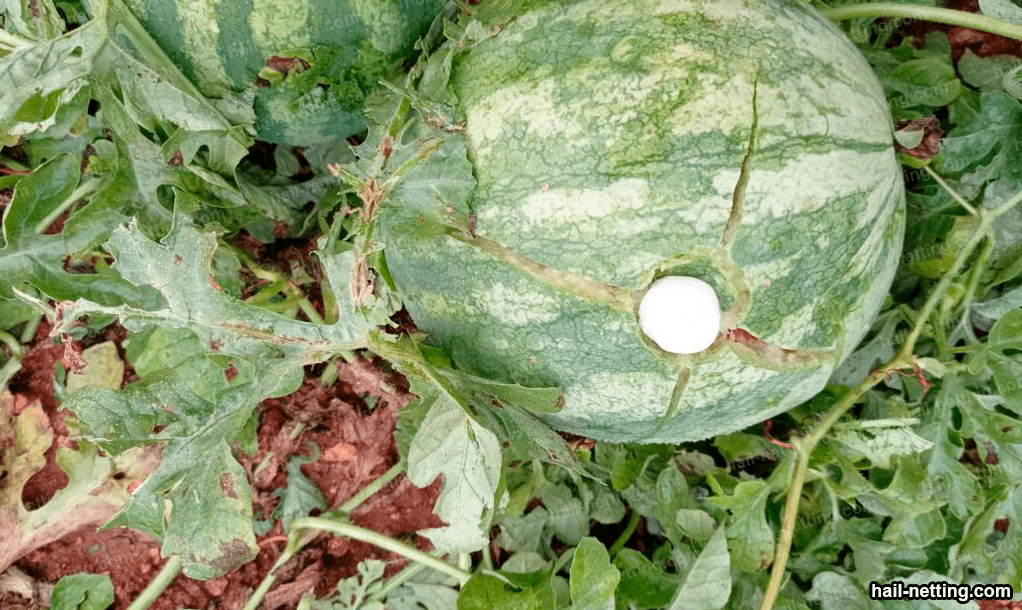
103, 368
91, 496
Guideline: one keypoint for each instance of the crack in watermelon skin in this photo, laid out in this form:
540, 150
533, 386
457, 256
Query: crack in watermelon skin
734, 219
591, 127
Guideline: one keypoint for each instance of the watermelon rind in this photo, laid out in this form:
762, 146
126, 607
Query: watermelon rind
347, 46
745, 143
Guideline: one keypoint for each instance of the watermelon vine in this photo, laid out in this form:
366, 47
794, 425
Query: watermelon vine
534, 183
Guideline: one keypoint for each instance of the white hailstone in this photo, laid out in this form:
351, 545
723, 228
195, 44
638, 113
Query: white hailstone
680, 314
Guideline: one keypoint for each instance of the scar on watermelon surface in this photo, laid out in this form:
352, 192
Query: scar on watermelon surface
757, 352
281, 65
763, 354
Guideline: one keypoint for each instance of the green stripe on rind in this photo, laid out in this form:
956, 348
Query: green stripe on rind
524, 89
162, 22
200, 32
386, 24
606, 139
335, 23
235, 46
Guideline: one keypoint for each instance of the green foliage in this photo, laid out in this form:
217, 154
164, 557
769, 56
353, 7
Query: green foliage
916, 477
300, 497
83, 591
351, 593
305, 70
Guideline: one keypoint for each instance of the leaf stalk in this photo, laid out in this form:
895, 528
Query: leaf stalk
350, 530
896, 10
298, 538
158, 585
12, 42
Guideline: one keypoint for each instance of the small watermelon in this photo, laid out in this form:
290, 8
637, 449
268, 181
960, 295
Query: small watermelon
742, 149
310, 63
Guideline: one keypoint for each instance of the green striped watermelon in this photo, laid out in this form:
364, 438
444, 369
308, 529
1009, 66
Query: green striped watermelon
744, 143
333, 53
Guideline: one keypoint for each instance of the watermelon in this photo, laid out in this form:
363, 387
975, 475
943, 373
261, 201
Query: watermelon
746, 144
314, 62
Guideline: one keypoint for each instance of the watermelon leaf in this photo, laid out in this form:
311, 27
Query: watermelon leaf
301, 496
179, 269
83, 591
984, 148
90, 496
452, 444
750, 536
210, 524
707, 586
30, 256
593, 578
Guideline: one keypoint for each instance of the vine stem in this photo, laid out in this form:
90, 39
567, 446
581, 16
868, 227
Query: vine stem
157, 585
12, 42
84, 190
925, 13
902, 360
350, 530
619, 544
954, 194
298, 538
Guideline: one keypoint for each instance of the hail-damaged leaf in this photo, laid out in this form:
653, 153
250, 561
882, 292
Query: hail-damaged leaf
408, 172
35, 19
909, 492
178, 349
998, 353
37, 78
209, 523
30, 256
452, 444
91, 496
882, 443
211, 526
432, 195
193, 302
953, 482
103, 368
35, 198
